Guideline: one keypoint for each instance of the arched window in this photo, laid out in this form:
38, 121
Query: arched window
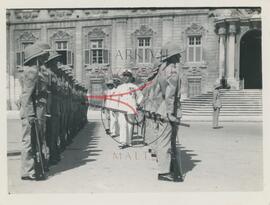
61, 41
25, 39
194, 43
144, 44
95, 48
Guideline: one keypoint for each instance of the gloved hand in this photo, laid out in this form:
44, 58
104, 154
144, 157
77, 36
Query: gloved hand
172, 118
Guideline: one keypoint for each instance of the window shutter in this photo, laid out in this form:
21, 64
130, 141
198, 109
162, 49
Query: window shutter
190, 54
198, 54
70, 57
22, 57
18, 59
86, 57
91, 57
105, 56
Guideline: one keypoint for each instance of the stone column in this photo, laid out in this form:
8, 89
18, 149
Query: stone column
78, 52
231, 54
222, 51
167, 29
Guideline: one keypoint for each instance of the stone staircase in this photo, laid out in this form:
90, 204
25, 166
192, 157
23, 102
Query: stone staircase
236, 103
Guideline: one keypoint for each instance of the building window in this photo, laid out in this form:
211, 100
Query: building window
144, 54
20, 58
63, 48
96, 54
194, 51
194, 87
96, 47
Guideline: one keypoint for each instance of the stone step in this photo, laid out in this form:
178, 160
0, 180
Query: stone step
234, 103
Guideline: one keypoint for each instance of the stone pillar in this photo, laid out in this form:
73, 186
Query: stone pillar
222, 50
231, 55
78, 52
120, 46
167, 29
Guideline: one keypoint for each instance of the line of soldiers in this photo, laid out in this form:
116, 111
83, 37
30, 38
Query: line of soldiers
53, 108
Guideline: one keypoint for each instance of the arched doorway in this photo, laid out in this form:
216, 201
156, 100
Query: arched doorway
251, 60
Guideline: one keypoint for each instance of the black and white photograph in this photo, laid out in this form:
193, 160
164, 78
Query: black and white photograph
134, 100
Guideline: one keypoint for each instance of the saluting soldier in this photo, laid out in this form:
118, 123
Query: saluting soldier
133, 98
167, 105
32, 109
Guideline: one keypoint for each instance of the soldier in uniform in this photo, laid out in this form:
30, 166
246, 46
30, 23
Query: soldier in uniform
216, 105
86, 105
132, 99
32, 109
69, 106
167, 105
53, 125
64, 133
108, 106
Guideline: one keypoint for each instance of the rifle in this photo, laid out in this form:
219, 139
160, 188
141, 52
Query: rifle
35, 140
37, 151
157, 117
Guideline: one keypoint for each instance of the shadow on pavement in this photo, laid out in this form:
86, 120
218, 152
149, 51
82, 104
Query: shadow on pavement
187, 162
82, 151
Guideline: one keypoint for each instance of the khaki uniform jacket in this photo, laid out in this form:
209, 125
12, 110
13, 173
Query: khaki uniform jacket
167, 92
29, 80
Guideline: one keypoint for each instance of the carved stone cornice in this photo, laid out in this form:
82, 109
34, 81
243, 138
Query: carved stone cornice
90, 12
167, 18
61, 35
96, 33
54, 13
195, 29
144, 31
26, 14
219, 14
27, 36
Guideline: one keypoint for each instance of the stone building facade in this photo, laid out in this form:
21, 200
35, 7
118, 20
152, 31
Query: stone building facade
97, 44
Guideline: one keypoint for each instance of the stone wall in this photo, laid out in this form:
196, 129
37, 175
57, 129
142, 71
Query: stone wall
121, 28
